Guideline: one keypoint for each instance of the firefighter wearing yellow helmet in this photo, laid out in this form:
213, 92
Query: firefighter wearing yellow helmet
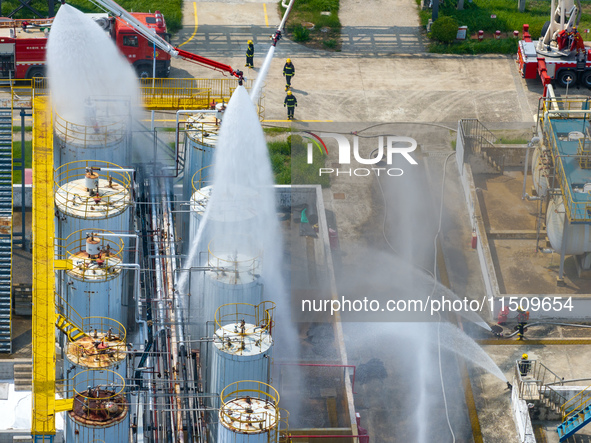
250, 55
291, 102
288, 73
524, 365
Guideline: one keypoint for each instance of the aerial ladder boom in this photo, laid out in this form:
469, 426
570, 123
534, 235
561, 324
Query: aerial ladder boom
121, 14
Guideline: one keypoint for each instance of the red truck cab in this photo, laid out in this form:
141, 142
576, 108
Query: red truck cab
138, 50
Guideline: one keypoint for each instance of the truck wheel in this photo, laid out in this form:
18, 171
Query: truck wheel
566, 77
36, 72
144, 71
586, 80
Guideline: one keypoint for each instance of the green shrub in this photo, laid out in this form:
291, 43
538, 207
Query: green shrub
298, 147
535, 30
304, 174
277, 162
284, 177
330, 44
444, 29
301, 34
282, 148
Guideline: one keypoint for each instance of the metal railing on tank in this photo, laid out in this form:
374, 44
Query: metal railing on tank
283, 425
100, 262
250, 407
108, 197
233, 266
244, 319
96, 134
202, 178
203, 128
103, 345
99, 398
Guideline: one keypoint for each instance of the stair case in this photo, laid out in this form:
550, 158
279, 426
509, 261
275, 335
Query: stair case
23, 376
5, 230
576, 414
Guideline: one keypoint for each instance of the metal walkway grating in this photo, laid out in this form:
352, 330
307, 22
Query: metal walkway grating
5, 229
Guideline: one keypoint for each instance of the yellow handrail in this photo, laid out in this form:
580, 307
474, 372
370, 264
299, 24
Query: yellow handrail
580, 404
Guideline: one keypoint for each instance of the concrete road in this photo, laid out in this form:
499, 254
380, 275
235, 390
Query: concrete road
381, 74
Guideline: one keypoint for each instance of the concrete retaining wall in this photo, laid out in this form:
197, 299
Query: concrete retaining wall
525, 431
514, 154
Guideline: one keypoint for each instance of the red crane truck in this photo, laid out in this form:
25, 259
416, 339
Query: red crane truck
23, 44
560, 53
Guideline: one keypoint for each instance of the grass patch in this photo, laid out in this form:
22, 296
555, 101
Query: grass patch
279, 153
490, 46
511, 141
16, 155
476, 15
303, 173
289, 163
326, 33
271, 130
18, 128
171, 9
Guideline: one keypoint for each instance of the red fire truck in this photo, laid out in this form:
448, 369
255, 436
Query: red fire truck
23, 44
560, 53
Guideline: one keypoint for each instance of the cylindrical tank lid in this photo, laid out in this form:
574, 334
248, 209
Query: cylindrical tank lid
93, 245
91, 179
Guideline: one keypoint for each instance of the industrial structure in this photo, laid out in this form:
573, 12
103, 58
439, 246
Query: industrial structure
115, 237
114, 349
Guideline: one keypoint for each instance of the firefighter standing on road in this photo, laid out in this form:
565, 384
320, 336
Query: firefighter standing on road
250, 55
288, 73
291, 102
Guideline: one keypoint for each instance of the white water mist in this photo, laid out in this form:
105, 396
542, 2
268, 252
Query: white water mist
83, 63
241, 218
